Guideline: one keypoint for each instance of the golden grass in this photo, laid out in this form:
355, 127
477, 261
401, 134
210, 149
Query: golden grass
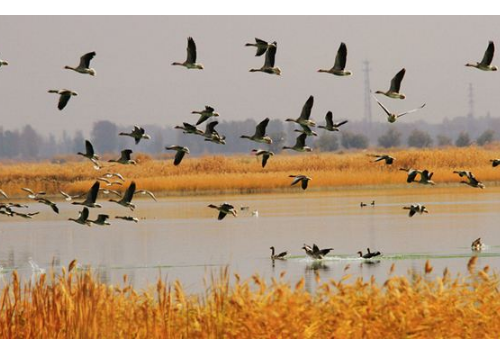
244, 174
77, 305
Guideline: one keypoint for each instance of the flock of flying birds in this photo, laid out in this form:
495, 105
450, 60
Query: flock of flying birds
260, 136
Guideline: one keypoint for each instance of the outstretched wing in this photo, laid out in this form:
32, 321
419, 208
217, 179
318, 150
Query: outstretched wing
89, 149
84, 214
329, 119
222, 215
306, 110
411, 111
305, 182
63, 101
93, 192
341, 58
191, 51
85, 59
260, 130
265, 157
396, 81
301, 141
488, 54
270, 55
178, 157
381, 105
129, 193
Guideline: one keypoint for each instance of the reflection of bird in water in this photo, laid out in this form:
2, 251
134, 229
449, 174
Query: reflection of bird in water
317, 265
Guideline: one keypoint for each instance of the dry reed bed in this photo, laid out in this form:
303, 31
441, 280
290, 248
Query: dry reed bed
77, 305
244, 173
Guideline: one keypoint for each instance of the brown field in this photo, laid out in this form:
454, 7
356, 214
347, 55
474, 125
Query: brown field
244, 174
76, 305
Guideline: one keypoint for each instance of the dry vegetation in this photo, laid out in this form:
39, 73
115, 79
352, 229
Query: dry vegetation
76, 305
244, 174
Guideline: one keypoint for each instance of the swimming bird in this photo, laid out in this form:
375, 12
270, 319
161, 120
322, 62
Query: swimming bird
64, 96
269, 61
124, 158
412, 174
126, 200
181, 151
83, 218
118, 175
69, 197
368, 255
363, 204
189, 129
149, 193
51, 204
3, 63
477, 245
255, 213
91, 197
260, 133
224, 209
265, 155
303, 179
372, 203
305, 114
137, 134
33, 194
392, 117
208, 112
472, 181
495, 162
84, 66
261, 46
306, 130
3, 194
485, 64
385, 157
190, 62
300, 144
127, 218
393, 91
416, 208
330, 125
90, 154
280, 256
101, 220
340, 63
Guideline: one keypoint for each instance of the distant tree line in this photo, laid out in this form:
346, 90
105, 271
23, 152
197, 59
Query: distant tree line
27, 144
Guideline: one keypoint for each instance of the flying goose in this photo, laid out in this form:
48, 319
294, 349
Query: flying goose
416, 208
425, 177
64, 96
69, 197
137, 134
205, 114
15, 205
261, 46
107, 191
393, 91
124, 158
83, 218
305, 114
412, 174
392, 117
3, 194
181, 151
265, 155
477, 245
485, 64
268, 66
189, 129
211, 134
3, 63
126, 200
49, 203
91, 197
25, 215
118, 175
300, 144
315, 252
368, 255
108, 182
385, 157
495, 162
260, 133
190, 62
101, 220
83, 67
303, 179
462, 173
330, 125
127, 218
472, 181
149, 193
90, 154
306, 130
340, 62
224, 209
280, 256
33, 194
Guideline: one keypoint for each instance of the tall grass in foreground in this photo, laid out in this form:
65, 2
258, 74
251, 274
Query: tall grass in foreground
244, 174
76, 305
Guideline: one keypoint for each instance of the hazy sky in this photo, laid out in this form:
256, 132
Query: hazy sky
136, 83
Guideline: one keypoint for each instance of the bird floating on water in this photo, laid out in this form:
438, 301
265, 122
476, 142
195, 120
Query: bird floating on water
84, 66
393, 91
340, 63
280, 256
190, 62
369, 255
477, 245
64, 96
485, 64
314, 252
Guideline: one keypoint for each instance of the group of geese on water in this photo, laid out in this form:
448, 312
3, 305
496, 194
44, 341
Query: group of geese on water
210, 134
318, 254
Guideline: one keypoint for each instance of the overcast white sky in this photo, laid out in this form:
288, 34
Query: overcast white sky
136, 84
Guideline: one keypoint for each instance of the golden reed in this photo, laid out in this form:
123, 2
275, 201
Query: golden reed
244, 173
74, 304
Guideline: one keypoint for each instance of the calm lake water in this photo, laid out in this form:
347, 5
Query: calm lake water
180, 238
